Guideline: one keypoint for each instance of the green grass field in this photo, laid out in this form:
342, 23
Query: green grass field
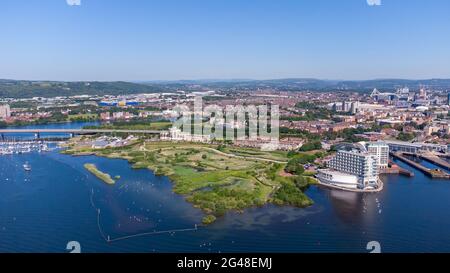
212, 180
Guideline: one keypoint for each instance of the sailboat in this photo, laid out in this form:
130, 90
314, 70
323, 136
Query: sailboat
27, 167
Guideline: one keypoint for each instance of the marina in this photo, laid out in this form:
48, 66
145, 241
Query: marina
142, 206
23, 147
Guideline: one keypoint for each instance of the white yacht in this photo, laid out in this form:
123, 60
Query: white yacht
27, 167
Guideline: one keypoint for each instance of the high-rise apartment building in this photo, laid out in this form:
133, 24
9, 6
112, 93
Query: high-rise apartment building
5, 111
381, 151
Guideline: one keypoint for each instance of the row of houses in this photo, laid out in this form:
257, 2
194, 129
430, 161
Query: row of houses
175, 134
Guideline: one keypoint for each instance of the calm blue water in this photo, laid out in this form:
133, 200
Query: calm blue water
58, 202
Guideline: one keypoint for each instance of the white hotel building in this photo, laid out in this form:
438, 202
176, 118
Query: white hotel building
352, 169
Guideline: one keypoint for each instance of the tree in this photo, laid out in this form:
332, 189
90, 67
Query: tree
302, 183
311, 146
295, 167
290, 194
221, 148
405, 136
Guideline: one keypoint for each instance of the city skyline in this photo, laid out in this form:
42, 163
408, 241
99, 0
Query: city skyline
192, 40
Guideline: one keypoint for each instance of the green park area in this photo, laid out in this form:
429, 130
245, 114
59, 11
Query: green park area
218, 179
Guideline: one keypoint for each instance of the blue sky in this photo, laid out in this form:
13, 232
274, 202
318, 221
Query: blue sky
210, 39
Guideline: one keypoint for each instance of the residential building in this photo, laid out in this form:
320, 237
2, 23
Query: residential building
5, 111
175, 134
381, 151
105, 116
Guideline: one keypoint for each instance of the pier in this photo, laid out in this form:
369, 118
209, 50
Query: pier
436, 160
425, 170
394, 169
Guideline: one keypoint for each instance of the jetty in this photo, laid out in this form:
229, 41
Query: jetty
436, 160
433, 173
394, 169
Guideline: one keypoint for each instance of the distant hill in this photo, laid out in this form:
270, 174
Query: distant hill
327, 85
27, 89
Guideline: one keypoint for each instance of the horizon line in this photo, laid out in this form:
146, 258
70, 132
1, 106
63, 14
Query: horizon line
231, 79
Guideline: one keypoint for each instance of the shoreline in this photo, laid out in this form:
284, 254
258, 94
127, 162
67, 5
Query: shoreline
226, 200
9, 126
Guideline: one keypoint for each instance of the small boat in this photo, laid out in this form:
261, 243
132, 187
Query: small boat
27, 167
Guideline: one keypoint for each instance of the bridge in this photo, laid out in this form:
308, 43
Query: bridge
37, 132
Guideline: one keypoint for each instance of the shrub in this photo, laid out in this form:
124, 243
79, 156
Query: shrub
311, 146
294, 166
209, 219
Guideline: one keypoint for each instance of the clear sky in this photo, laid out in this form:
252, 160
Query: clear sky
211, 39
